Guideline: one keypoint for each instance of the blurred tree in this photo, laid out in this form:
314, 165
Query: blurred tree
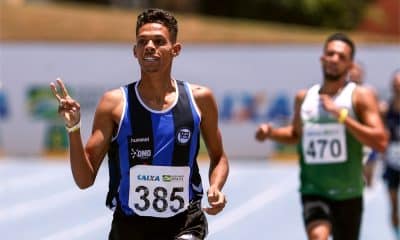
325, 13
173, 5
100, 2
340, 14
382, 16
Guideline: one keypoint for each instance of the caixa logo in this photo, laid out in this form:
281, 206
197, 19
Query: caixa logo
140, 153
143, 177
4, 109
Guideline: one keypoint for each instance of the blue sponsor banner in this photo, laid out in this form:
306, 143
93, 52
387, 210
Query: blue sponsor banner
4, 106
255, 107
4, 111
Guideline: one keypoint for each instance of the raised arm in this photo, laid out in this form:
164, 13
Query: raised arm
288, 134
372, 132
219, 167
369, 129
85, 161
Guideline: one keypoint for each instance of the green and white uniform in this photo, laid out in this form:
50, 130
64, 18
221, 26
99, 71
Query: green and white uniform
330, 157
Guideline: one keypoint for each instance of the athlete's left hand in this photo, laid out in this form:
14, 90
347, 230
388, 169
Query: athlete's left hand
216, 199
329, 105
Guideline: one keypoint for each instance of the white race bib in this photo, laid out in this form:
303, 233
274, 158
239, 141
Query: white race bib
324, 143
393, 154
159, 191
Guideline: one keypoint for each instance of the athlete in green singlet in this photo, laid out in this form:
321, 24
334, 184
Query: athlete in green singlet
331, 123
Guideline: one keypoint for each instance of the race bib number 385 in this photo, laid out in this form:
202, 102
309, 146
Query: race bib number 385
324, 143
159, 191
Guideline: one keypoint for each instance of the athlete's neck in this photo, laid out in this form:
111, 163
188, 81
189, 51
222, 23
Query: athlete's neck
332, 87
157, 94
156, 84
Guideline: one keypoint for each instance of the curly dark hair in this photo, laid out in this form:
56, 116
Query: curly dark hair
155, 15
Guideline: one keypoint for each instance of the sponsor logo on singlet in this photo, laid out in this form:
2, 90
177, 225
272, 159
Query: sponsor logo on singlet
183, 136
139, 149
140, 153
138, 140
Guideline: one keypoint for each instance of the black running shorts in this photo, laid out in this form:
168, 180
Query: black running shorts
188, 225
392, 177
344, 215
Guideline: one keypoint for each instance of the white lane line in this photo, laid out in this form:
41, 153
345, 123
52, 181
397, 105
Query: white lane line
50, 202
253, 204
82, 229
79, 231
370, 193
28, 181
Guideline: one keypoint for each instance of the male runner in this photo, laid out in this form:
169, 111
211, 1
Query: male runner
150, 130
332, 121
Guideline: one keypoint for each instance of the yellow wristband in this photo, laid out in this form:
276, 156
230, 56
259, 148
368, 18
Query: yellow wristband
343, 115
73, 128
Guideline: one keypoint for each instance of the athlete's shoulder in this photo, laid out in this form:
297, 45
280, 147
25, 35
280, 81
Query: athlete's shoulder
364, 93
200, 92
113, 94
300, 95
364, 89
204, 99
111, 98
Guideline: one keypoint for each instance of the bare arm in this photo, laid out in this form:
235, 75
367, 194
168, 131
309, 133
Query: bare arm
372, 130
288, 134
85, 161
369, 130
219, 167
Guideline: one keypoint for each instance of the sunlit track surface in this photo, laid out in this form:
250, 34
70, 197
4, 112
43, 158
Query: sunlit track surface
38, 200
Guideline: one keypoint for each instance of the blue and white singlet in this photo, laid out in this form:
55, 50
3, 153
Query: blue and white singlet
152, 159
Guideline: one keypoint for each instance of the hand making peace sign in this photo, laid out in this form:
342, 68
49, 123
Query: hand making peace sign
68, 108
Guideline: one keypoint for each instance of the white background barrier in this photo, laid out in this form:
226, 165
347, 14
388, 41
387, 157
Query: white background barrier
251, 84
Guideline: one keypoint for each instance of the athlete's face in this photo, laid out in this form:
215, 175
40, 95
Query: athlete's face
336, 60
154, 49
356, 74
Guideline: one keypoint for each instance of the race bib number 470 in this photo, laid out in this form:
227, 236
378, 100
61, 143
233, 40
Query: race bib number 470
159, 191
324, 143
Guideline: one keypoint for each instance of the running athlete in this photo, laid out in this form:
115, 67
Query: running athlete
392, 155
331, 123
150, 130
